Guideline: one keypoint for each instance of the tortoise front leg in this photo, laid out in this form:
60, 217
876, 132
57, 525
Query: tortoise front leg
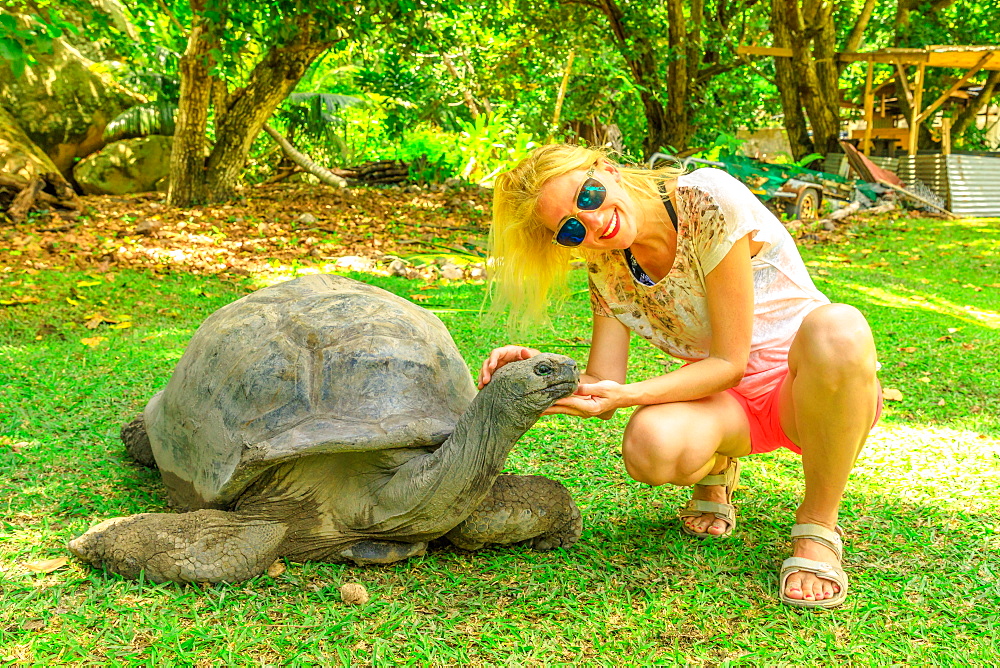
521, 508
136, 440
200, 546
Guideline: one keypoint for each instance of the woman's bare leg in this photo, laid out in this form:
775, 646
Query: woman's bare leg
681, 443
827, 406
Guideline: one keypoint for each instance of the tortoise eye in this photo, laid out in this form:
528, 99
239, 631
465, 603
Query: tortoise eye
543, 369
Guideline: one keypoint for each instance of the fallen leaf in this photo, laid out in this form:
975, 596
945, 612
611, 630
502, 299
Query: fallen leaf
93, 341
823, 272
33, 625
72, 302
952, 330
121, 325
968, 346
925, 379
892, 394
420, 298
944, 338
87, 284
276, 569
18, 301
94, 322
47, 565
908, 349
941, 402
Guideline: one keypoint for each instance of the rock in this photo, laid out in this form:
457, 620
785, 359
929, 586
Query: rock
397, 267
452, 272
20, 158
477, 272
453, 182
63, 101
147, 227
354, 263
128, 166
354, 593
306, 219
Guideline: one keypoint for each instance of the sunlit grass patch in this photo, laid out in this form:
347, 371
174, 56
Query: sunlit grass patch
922, 511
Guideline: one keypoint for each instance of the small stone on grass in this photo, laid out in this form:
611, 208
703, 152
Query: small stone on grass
354, 593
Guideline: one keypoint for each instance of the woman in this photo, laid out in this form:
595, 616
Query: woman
695, 264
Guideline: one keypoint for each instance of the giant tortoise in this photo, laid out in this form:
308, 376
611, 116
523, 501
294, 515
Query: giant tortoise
326, 419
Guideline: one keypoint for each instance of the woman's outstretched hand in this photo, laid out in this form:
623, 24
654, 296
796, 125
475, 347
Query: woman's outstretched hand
500, 357
598, 399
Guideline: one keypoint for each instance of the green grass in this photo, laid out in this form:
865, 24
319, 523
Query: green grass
922, 511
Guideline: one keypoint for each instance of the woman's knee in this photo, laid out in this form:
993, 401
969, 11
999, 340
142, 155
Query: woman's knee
835, 338
657, 449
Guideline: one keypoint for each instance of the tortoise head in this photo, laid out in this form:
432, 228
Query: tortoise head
536, 383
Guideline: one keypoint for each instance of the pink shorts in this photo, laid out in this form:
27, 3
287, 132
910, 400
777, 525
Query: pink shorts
766, 433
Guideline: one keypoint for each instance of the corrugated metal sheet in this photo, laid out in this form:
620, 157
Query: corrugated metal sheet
970, 184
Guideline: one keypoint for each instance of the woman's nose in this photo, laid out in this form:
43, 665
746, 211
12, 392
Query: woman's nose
590, 218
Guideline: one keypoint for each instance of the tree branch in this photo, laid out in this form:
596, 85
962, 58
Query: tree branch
860, 25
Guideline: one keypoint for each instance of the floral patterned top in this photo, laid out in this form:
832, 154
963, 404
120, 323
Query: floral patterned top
714, 211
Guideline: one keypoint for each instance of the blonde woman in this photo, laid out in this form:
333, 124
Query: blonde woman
696, 265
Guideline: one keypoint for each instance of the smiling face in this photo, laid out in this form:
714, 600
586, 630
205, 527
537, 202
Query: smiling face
614, 224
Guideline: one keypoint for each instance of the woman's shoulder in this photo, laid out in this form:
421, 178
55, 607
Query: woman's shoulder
708, 178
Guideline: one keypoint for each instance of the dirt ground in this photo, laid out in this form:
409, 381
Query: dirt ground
271, 226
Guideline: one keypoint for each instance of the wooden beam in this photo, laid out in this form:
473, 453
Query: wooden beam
958, 84
866, 145
905, 81
764, 51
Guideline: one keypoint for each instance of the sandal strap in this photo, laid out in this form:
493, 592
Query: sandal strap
698, 507
822, 570
728, 477
822, 535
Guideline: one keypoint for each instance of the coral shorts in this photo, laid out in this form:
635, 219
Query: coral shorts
766, 433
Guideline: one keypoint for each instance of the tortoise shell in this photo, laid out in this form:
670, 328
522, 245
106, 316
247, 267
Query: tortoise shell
319, 364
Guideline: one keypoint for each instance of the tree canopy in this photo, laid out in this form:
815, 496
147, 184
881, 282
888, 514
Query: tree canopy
464, 88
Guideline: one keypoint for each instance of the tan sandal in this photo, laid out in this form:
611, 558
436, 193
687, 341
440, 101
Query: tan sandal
730, 478
822, 569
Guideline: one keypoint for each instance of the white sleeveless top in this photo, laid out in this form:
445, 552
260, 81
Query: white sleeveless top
714, 211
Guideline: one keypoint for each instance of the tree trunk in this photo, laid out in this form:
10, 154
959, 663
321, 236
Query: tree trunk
195, 179
662, 130
965, 117
187, 157
809, 81
785, 78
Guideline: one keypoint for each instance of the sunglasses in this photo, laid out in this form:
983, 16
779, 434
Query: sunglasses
571, 232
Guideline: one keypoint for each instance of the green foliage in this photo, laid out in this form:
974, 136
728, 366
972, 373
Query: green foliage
491, 144
21, 41
142, 120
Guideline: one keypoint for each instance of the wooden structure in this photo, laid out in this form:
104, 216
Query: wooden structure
972, 59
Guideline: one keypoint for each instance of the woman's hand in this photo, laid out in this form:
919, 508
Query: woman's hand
501, 356
598, 399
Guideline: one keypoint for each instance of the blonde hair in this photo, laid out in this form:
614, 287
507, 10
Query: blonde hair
526, 269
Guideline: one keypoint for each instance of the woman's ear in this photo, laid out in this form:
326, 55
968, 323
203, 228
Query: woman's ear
612, 169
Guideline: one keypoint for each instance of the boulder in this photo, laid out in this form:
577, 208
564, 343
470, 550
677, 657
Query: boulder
21, 159
127, 166
62, 102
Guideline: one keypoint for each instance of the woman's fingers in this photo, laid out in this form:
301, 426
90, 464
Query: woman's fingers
500, 357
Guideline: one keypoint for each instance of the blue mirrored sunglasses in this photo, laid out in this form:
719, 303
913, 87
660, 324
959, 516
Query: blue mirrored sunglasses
571, 232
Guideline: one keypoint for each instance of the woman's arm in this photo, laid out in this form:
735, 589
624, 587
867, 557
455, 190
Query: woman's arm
730, 311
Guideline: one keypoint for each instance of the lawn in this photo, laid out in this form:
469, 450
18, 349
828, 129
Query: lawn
80, 353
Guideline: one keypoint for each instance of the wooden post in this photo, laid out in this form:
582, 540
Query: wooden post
866, 143
946, 135
914, 120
